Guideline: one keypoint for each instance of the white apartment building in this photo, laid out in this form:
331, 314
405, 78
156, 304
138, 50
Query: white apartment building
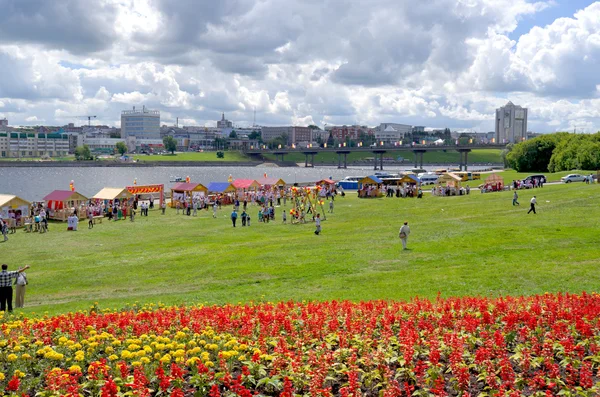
143, 123
392, 132
23, 145
511, 123
3, 122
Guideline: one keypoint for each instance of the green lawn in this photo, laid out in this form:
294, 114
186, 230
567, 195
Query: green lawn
471, 245
194, 156
449, 157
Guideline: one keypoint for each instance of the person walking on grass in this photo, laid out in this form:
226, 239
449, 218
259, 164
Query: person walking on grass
215, 206
234, 216
4, 229
403, 234
6, 290
515, 198
533, 202
163, 207
331, 206
318, 224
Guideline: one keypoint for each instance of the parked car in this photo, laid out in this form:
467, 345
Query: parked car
539, 177
573, 178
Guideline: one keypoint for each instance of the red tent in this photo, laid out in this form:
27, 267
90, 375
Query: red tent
325, 182
245, 184
57, 199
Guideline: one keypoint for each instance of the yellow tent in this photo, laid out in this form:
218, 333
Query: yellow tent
112, 193
13, 202
450, 179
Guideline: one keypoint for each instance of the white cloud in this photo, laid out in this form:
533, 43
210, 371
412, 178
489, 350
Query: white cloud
440, 62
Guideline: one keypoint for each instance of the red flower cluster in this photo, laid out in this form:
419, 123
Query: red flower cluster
541, 345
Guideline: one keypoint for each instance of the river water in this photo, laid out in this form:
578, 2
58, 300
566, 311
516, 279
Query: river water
33, 183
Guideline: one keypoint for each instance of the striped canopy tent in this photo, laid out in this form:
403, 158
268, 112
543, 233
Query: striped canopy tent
246, 184
186, 191
61, 199
113, 193
220, 187
62, 202
271, 182
146, 190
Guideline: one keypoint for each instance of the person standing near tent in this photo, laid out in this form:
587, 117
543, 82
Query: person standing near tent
234, 216
163, 206
533, 202
215, 206
515, 198
90, 216
403, 234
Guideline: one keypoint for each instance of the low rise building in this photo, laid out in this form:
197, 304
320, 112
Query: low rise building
392, 132
24, 144
294, 135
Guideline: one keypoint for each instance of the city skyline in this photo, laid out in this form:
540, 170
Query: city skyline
447, 64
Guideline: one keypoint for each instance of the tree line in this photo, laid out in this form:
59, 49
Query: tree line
561, 151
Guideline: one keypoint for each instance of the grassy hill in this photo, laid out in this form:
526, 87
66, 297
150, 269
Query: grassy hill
450, 157
471, 245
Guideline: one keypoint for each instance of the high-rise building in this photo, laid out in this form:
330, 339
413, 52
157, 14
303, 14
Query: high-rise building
143, 123
511, 123
3, 122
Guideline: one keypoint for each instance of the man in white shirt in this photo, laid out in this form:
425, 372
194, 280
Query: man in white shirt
403, 234
533, 203
318, 224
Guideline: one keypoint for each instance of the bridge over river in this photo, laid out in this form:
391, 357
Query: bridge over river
378, 151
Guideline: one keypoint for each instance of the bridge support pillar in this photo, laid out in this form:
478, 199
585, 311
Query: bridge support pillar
312, 160
464, 159
345, 160
381, 161
339, 160
375, 167
305, 160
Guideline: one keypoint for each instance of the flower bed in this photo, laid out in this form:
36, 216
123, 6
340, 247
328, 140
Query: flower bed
542, 345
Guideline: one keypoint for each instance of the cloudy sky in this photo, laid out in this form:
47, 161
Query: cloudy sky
438, 63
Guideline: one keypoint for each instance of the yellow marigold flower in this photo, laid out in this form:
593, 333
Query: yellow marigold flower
75, 368
147, 349
109, 350
157, 356
62, 340
25, 356
133, 347
192, 361
19, 374
209, 364
116, 342
136, 363
242, 347
180, 335
145, 360
113, 357
2, 377
3, 342
12, 357
125, 354
166, 358
179, 353
17, 348
242, 358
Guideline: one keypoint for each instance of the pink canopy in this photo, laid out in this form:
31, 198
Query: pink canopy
188, 187
325, 182
245, 183
58, 198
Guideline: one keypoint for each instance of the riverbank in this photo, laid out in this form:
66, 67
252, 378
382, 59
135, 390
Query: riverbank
143, 164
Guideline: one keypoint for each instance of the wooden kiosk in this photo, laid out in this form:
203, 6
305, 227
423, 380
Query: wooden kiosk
62, 203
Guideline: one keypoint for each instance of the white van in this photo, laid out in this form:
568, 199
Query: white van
429, 178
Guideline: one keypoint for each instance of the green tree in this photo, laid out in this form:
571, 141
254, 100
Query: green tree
534, 154
221, 143
330, 140
170, 144
83, 153
121, 148
314, 127
255, 135
233, 134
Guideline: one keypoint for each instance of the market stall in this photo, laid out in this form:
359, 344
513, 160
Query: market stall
14, 209
449, 184
327, 182
370, 187
245, 185
148, 191
187, 192
271, 182
110, 196
493, 183
223, 191
62, 203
